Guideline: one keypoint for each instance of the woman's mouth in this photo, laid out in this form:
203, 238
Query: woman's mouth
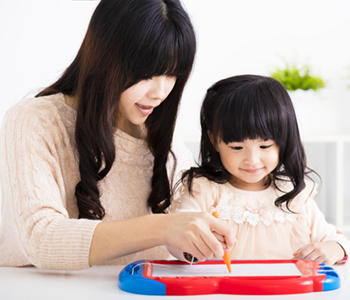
145, 110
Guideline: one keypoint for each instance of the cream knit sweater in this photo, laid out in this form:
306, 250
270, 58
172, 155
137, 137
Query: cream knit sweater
39, 172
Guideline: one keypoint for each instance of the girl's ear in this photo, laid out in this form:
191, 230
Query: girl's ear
211, 138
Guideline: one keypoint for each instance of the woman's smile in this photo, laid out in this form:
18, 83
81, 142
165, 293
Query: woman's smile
145, 110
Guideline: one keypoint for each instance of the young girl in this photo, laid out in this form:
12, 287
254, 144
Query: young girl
252, 172
97, 145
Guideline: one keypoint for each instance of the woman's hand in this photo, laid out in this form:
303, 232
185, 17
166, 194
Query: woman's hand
199, 234
329, 252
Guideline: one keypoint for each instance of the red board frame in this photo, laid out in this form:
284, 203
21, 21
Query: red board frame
310, 280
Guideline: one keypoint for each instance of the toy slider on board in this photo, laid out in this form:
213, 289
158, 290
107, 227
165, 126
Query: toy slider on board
248, 277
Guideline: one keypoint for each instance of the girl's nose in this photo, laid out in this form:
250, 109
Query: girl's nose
252, 158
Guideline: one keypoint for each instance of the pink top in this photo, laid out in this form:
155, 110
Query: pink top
263, 231
39, 172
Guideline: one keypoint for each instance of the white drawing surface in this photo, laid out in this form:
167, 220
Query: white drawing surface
220, 270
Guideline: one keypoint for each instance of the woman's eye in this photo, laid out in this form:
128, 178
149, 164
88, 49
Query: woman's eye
265, 146
236, 147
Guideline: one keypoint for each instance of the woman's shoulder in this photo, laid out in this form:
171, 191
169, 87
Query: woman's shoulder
33, 113
36, 107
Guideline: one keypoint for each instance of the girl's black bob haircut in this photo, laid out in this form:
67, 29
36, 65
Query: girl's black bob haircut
251, 107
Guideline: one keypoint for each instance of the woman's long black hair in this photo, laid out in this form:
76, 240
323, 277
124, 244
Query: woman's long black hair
250, 107
127, 41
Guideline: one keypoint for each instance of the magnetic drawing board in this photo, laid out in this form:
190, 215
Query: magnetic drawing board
219, 270
248, 277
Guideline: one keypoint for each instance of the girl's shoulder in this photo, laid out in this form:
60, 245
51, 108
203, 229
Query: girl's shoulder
204, 184
201, 189
285, 185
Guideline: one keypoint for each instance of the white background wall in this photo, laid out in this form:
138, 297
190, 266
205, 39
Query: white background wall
39, 38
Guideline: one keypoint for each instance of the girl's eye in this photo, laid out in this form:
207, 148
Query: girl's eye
236, 147
265, 146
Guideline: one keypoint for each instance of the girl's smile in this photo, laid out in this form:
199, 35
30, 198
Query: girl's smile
253, 171
249, 162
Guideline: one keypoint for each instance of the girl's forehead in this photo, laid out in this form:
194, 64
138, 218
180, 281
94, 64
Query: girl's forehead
249, 141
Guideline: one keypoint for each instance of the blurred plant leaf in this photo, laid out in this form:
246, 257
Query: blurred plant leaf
294, 78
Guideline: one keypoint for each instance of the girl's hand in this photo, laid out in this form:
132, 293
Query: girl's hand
199, 234
328, 252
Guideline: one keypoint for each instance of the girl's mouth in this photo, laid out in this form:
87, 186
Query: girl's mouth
253, 171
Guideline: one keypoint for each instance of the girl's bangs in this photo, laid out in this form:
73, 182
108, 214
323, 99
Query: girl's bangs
253, 114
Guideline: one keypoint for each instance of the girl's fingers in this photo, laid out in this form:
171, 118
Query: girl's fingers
328, 252
303, 251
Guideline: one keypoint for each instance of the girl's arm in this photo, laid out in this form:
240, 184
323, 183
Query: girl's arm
327, 245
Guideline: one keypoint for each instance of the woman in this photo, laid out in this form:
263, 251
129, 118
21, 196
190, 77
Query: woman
97, 145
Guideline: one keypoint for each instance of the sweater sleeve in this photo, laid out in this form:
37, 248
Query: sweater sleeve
34, 192
321, 230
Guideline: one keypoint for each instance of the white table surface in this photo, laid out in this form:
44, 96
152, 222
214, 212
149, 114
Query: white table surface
102, 283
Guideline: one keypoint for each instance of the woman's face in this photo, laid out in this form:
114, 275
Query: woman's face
137, 102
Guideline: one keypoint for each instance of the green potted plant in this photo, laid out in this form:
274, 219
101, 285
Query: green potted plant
304, 89
294, 78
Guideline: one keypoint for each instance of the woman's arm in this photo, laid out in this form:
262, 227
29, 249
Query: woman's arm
188, 232
202, 199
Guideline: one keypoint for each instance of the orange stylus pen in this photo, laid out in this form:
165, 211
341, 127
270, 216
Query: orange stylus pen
227, 256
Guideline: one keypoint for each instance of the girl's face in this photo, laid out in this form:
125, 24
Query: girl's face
137, 102
249, 162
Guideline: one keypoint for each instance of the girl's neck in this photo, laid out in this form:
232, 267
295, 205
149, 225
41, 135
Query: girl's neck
249, 186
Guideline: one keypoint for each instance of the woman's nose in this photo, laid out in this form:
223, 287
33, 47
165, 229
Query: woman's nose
158, 90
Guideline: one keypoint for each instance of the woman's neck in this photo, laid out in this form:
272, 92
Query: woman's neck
136, 131
71, 101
